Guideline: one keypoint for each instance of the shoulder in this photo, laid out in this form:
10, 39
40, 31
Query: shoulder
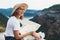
12, 19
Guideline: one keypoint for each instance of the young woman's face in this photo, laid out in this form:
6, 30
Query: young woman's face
20, 11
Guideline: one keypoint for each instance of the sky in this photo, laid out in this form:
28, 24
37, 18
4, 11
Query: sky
33, 4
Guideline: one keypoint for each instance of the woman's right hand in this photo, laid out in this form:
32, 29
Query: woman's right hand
36, 35
32, 32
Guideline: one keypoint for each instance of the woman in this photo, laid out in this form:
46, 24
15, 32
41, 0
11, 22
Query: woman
13, 25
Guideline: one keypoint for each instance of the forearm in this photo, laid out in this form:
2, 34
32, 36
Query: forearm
17, 36
26, 34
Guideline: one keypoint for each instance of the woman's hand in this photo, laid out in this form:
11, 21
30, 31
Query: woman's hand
36, 35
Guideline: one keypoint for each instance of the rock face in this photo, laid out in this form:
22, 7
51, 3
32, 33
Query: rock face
49, 19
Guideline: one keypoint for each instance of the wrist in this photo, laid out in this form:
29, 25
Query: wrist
32, 32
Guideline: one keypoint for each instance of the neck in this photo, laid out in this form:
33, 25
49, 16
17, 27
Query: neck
18, 17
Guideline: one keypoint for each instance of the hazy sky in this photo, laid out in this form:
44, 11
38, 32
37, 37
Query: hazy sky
33, 4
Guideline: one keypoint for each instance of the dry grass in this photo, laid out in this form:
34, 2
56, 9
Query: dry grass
2, 29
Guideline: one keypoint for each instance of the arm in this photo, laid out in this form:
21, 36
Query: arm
17, 36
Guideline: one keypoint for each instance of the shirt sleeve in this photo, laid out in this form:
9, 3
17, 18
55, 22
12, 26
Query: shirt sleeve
16, 25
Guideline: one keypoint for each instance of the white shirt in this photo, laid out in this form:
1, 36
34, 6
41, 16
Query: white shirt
12, 24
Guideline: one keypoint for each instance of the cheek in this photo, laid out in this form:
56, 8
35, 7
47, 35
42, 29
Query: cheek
21, 14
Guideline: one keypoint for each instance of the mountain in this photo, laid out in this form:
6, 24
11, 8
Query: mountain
49, 19
6, 12
28, 13
53, 11
55, 7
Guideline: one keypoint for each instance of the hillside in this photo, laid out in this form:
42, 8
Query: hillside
3, 19
49, 18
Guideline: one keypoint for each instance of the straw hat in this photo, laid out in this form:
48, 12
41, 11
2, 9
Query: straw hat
19, 5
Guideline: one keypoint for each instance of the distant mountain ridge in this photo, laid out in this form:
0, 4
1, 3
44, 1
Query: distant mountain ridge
7, 12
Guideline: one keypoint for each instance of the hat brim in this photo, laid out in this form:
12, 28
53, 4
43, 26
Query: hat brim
19, 5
